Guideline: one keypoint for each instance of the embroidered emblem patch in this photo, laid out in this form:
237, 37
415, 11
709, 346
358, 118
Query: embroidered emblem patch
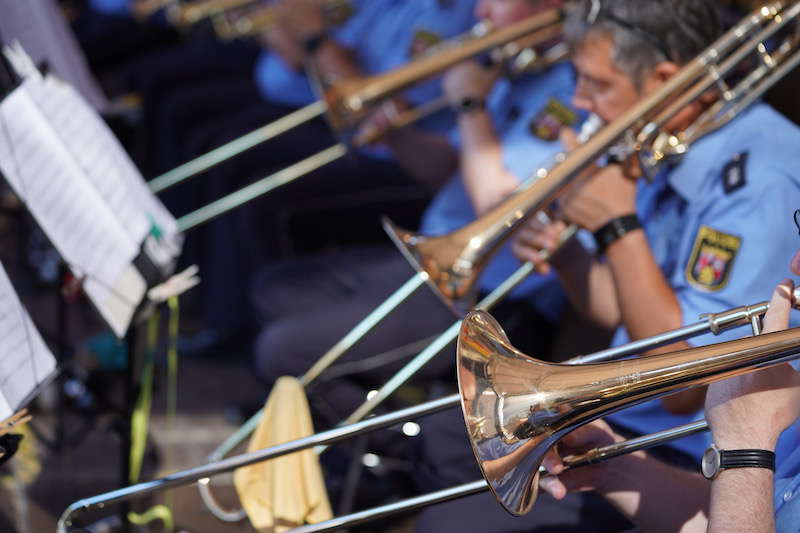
548, 122
339, 12
423, 40
734, 175
712, 259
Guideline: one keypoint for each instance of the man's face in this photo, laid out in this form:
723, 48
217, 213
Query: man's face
602, 88
502, 13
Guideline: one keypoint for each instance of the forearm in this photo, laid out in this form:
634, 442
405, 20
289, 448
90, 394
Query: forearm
486, 179
741, 501
440, 159
588, 284
647, 303
657, 497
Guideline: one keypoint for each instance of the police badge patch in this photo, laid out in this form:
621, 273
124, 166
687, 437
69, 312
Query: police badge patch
712, 258
548, 122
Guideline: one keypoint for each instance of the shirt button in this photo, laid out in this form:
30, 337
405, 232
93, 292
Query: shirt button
787, 496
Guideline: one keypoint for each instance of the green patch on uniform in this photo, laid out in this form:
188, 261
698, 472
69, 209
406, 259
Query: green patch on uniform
548, 122
711, 260
339, 11
422, 42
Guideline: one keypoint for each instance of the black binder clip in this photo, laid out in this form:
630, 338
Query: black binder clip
9, 444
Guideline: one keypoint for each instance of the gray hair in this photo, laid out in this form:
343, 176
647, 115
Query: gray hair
646, 32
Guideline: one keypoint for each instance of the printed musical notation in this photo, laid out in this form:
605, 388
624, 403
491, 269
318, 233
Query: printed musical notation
25, 360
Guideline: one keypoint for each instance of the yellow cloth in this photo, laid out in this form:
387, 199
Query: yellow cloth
287, 491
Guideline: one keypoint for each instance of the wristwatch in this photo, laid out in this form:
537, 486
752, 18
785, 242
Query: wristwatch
715, 460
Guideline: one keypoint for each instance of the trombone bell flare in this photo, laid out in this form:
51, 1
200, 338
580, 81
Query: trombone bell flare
516, 407
450, 276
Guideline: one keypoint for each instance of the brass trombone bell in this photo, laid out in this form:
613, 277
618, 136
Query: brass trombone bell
516, 407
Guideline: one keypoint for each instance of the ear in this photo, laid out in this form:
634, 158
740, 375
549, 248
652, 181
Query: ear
659, 74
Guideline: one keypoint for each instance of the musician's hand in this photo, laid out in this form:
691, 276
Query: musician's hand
751, 411
585, 478
469, 79
306, 18
375, 127
280, 39
536, 240
607, 194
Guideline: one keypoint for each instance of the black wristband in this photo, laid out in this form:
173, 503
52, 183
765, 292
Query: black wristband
716, 460
613, 230
313, 43
469, 104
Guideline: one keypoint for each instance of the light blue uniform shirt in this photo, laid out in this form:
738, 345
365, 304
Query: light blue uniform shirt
514, 106
787, 481
382, 33
760, 146
110, 7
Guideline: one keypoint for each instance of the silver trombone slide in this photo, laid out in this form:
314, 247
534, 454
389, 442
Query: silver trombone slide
714, 323
235, 147
475, 487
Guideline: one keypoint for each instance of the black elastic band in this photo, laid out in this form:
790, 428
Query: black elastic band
614, 229
748, 459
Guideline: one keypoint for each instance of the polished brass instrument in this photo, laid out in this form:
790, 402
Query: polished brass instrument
185, 14
516, 408
245, 23
715, 323
453, 262
344, 104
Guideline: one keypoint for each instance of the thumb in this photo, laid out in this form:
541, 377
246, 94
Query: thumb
777, 318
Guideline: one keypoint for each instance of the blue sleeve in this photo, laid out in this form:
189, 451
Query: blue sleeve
278, 83
760, 216
110, 7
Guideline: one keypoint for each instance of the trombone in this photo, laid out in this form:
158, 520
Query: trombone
525, 406
714, 323
233, 24
452, 263
344, 103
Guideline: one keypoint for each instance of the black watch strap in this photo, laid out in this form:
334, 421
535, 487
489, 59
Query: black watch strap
614, 229
715, 460
747, 458
313, 43
469, 104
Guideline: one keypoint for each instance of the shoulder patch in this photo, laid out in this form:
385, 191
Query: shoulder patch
548, 122
422, 41
712, 258
339, 11
734, 174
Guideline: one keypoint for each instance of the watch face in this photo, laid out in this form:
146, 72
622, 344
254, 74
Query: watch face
709, 466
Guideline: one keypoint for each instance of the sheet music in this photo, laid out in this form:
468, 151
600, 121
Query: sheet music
25, 360
69, 209
105, 162
77, 128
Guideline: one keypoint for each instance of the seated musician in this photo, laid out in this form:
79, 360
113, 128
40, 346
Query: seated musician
757, 411
343, 200
309, 304
691, 241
